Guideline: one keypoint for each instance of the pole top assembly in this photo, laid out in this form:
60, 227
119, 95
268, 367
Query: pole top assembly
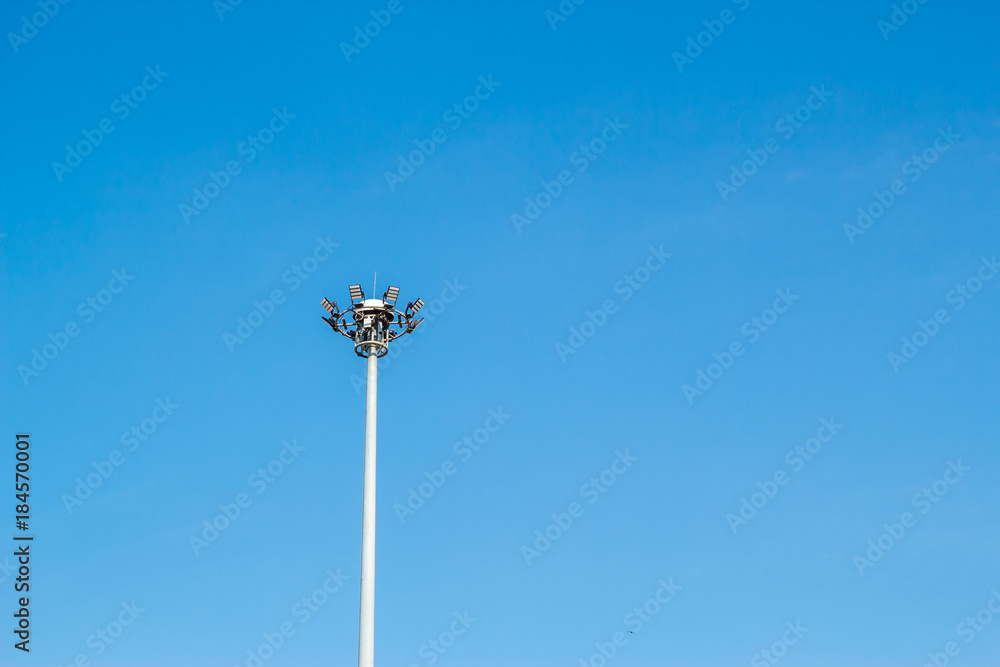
372, 323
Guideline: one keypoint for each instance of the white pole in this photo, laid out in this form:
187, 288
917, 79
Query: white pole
366, 639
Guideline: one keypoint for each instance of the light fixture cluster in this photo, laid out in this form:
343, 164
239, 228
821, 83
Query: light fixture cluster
372, 323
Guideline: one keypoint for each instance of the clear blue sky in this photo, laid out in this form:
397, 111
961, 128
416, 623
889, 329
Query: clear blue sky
251, 156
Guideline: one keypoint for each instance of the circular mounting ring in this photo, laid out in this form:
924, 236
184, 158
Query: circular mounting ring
362, 349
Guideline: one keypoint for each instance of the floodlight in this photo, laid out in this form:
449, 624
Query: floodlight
357, 294
330, 307
391, 295
417, 305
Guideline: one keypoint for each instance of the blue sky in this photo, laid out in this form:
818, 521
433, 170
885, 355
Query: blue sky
173, 168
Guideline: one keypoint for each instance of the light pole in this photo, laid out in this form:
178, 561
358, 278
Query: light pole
371, 324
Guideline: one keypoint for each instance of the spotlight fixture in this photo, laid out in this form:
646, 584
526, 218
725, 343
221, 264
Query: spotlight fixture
391, 295
357, 294
415, 307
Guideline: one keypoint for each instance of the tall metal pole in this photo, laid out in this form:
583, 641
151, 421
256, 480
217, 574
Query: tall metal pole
366, 638
371, 324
